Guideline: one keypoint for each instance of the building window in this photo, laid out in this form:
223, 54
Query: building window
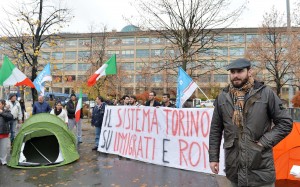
128, 53
110, 53
205, 78
70, 55
222, 51
56, 78
57, 66
57, 55
45, 45
157, 78
157, 52
83, 54
127, 66
70, 78
142, 41
236, 38
221, 78
114, 41
139, 65
142, 53
83, 67
237, 51
220, 64
70, 67
84, 42
157, 41
71, 43
128, 78
127, 41
45, 55
221, 38
251, 37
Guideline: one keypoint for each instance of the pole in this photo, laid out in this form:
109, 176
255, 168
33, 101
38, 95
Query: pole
288, 16
202, 92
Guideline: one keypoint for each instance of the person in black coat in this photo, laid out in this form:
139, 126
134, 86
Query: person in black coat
5, 117
152, 101
97, 119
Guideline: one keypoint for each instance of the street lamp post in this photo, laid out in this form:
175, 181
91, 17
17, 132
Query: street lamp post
288, 16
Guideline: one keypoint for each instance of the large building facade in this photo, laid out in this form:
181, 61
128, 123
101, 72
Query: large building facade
142, 57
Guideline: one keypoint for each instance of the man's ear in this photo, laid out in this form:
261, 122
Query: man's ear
250, 72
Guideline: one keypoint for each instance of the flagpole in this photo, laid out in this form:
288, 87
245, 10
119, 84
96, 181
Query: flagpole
202, 92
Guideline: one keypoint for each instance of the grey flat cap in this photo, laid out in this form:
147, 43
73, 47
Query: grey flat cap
240, 63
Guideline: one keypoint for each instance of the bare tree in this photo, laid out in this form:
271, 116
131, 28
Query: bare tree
275, 51
189, 26
30, 25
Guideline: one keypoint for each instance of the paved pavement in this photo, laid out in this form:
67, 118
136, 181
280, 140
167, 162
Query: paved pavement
98, 169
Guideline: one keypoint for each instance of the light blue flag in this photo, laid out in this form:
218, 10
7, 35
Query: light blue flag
39, 81
185, 87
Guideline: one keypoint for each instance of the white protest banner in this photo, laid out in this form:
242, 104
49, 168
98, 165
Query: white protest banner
165, 136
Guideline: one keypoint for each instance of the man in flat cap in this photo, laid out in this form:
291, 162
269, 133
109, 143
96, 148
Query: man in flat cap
244, 112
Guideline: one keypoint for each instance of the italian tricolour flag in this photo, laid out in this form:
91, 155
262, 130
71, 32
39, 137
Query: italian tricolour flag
109, 68
78, 107
12, 76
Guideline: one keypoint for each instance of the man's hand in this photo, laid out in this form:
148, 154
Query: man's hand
214, 166
20, 121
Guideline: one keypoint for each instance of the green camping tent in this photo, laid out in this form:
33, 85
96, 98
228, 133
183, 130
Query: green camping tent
43, 141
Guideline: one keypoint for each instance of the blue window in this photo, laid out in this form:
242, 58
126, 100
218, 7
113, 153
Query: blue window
71, 43
70, 67
157, 52
237, 51
220, 64
70, 55
127, 41
83, 67
110, 53
45, 55
156, 41
236, 38
57, 66
221, 78
251, 37
128, 53
57, 55
222, 51
157, 78
143, 41
83, 54
84, 42
221, 38
205, 78
127, 66
142, 53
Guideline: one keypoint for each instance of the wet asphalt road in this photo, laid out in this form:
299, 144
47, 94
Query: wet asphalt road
98, 169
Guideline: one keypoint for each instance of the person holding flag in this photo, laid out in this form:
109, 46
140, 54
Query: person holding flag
74, 112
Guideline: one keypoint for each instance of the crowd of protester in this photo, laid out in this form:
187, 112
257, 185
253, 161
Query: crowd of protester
13, 112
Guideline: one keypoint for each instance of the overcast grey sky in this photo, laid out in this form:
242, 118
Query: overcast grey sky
112, 13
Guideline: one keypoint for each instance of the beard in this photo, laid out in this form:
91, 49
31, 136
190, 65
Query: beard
238, 83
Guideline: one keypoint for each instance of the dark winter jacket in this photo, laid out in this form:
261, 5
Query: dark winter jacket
5, 116
247, 163
71, 109
98, 114
156, 103
40, 108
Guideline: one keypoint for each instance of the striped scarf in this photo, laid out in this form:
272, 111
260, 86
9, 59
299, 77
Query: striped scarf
238, 95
